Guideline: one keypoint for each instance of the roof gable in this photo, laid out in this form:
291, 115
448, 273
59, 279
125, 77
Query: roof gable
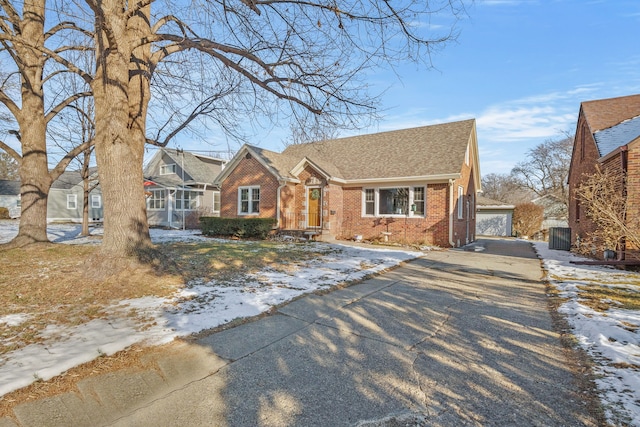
197, 168
69, 179
605, 113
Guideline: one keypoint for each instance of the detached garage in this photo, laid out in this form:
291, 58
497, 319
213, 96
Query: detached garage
493, 218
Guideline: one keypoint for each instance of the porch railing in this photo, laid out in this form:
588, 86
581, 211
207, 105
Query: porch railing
301, 221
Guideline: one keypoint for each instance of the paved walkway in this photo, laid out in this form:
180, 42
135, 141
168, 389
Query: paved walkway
457, 338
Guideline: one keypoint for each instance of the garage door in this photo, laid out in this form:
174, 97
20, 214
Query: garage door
493, 223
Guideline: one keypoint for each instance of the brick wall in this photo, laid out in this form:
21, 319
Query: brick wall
249, 172
633, 187
464, 229
432, 230
583, 162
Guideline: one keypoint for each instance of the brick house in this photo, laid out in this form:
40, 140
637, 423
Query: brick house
415, 185
608, 136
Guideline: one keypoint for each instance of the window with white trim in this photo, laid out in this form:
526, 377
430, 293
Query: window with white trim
186, 200
370, 201
419, 201
72, 201
460, 202
216, 201
249, 200
168, 169
157, 200
96, 201
390, 201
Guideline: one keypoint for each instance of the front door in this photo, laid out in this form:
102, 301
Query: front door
314, 196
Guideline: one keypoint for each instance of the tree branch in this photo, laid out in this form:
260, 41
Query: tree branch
10, 151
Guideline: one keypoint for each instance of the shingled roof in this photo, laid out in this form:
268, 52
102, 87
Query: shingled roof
614, 122
429, 152
198, 169
435, 150
9, 188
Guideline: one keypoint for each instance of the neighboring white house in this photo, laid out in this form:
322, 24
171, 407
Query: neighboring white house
494, 218
179, 184
65, 201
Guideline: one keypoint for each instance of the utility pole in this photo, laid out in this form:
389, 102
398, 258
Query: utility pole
181, 151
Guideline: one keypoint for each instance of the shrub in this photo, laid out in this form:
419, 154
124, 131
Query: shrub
4, 213
527, 219
237, 227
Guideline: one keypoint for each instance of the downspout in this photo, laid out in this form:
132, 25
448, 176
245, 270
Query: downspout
204, 191
451, 206
278, 211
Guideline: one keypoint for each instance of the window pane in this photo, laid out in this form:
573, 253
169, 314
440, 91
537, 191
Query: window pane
216, 202
418, 200
244, 194
255, 206
394, 201
370, 201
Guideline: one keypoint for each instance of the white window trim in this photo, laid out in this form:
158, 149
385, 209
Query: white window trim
163, 169
176, 199
216, 195
250, 204
72, 199
153, 193
96, 201
376, 202
460, 202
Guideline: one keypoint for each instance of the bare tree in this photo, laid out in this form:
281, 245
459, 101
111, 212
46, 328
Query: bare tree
603, 198
546, 169
24, 47
288, 58
505, 188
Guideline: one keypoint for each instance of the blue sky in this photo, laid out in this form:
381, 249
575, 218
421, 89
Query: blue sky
521, 69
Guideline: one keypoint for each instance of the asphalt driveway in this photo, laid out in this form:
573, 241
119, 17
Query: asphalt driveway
456, 338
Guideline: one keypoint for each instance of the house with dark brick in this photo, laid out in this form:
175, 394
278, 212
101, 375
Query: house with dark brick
414, 185
607, 136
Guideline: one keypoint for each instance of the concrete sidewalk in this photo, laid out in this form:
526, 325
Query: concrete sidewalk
457, 338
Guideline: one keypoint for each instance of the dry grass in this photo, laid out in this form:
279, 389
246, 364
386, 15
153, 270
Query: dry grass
49, 284
603, 297
58, 284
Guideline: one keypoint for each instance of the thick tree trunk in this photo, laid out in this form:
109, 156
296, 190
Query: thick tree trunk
34, 170
119, 151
